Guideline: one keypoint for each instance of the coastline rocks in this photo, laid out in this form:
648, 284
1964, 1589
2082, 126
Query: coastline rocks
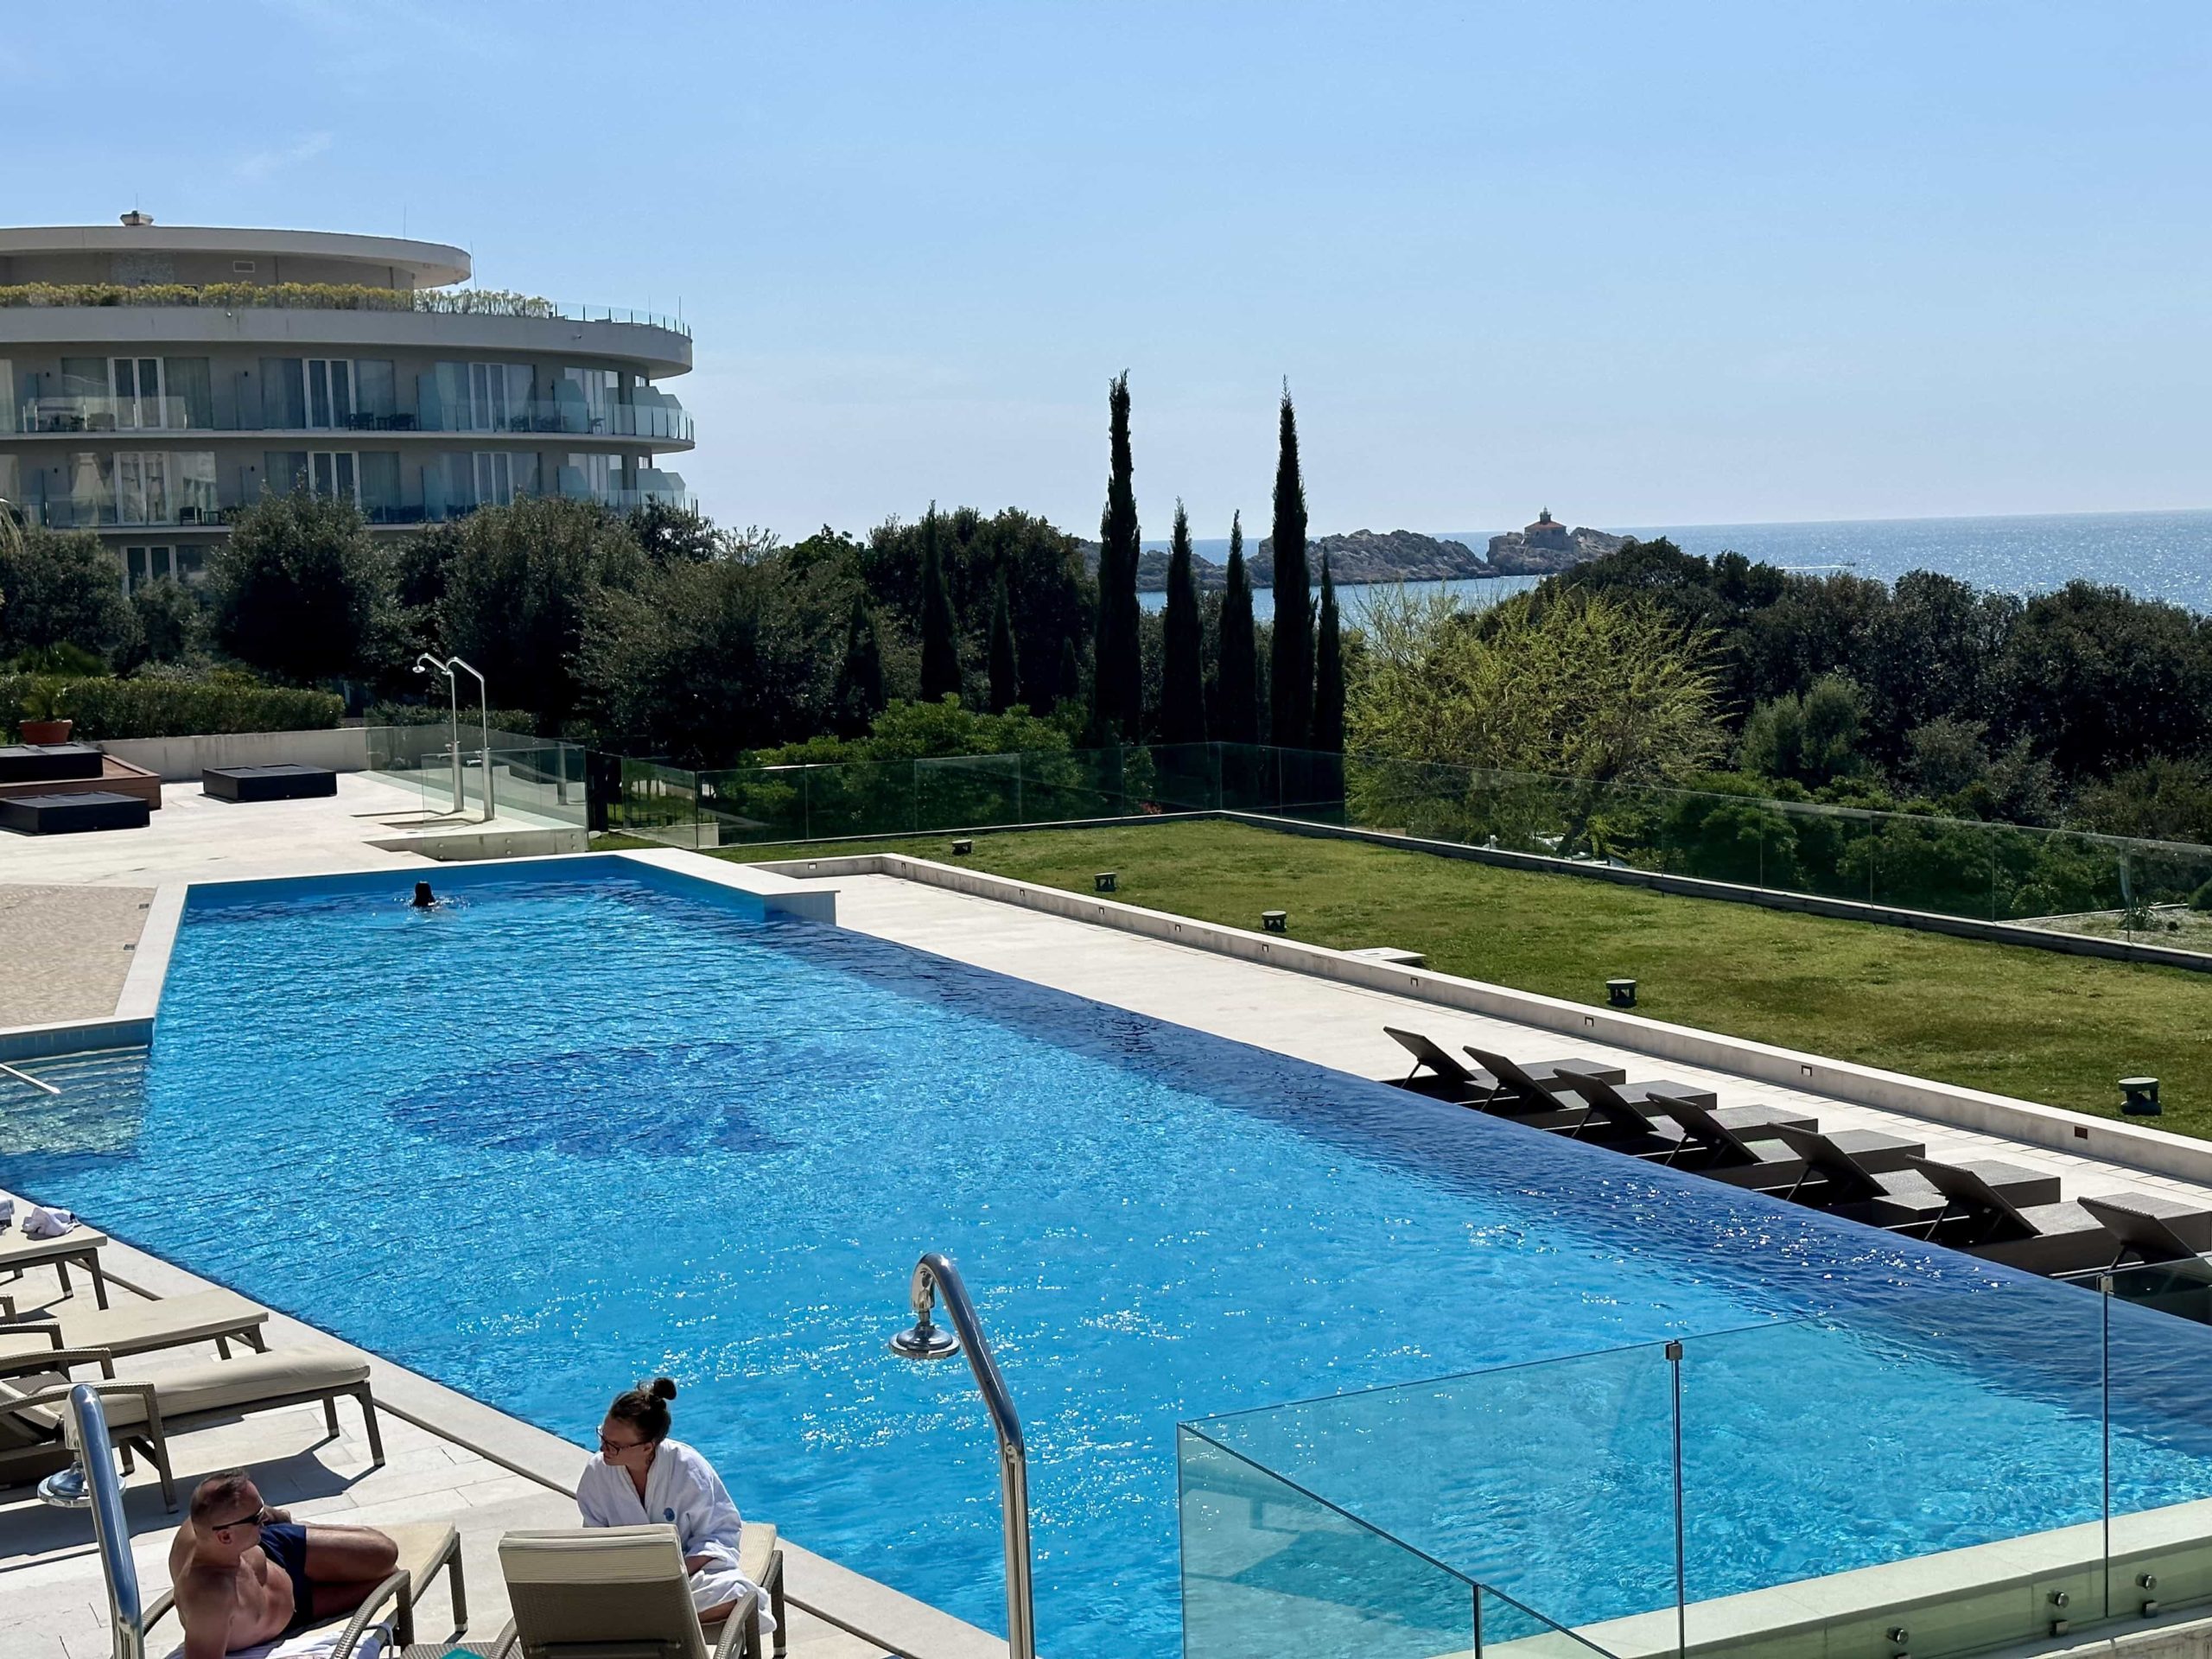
1370, 555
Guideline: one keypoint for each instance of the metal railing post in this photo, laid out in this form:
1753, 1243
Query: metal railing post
102, 1492
935, 1276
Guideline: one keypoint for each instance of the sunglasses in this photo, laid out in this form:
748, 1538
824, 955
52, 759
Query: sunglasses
258, 1518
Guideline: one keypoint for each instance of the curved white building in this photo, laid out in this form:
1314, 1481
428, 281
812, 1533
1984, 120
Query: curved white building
154, 379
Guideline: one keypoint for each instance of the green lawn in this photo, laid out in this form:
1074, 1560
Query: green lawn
2030, 1023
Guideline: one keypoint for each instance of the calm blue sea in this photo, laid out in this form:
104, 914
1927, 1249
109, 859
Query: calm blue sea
2156, 555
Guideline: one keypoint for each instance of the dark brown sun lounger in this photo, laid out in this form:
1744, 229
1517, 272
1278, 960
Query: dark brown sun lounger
1682, 1114
1452, 1078
2150, 1228
1983, 1219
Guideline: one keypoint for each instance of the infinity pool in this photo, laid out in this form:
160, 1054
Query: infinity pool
595, 1122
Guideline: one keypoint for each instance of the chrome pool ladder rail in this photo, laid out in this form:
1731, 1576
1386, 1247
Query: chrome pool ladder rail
25, 1077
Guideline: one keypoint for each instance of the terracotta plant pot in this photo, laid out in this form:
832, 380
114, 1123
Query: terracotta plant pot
47, 731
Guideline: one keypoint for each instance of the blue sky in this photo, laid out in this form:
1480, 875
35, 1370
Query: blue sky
1645, 264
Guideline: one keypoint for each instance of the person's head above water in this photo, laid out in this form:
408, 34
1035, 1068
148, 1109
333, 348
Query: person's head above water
424, 898
636, 1422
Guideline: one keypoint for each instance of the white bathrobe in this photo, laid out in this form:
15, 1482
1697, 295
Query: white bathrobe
683, 1491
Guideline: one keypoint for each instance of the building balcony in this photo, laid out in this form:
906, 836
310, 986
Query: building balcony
660, 419
111, 512
325, 297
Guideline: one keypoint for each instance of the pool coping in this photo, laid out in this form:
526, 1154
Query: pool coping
2157, 1152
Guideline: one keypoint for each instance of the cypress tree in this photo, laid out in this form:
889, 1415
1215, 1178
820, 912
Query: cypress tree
940, 636
1117, 681
1238, 710
1329, 672
1070, 673
1005, 690
860, 681
1291, 688
1183, 673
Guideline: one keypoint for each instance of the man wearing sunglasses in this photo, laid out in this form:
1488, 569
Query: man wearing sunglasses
245, 1574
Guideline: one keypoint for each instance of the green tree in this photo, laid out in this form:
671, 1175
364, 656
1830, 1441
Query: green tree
858, 697
1005, 667
1117, 673
299, 590
168, 619
519, 584
1328, 734
1813, 739
1290, 691
1237, 690
2104, 680
63, 588
940, 632
1070, 675
1183, 672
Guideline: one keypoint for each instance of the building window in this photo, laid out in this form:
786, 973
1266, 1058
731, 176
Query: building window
375, 390
92, 490
379, 475
191, 475
191, 392
143, 564
482, 398
330, 392
283, 471
283, 393
141, 489
335, 473
583, 398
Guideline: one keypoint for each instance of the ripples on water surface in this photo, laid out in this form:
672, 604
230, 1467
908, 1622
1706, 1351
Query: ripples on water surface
580, 1129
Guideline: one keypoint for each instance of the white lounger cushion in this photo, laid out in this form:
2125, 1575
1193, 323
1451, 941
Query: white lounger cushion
221, 1385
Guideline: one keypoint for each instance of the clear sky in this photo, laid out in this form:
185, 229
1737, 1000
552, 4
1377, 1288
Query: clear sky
1645, 264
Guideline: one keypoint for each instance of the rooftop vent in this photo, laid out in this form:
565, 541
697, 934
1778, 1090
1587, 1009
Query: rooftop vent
136, 219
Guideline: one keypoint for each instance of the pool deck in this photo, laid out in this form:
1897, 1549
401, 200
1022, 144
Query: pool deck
453, 1459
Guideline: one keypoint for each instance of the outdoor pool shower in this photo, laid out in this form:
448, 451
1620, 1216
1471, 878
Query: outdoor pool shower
426, 663
90, 1482
935, 1276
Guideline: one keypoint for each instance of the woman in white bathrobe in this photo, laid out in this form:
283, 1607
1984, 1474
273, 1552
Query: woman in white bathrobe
641, 1476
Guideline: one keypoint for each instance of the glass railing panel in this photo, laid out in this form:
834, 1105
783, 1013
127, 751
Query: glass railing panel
966, 791
657, 803
2061, 881
1269, 1570
1942, 1454
1064, 785
1553, 1482
1504, 1627
1186, 777
754, 803
1948, 866
2159, 1349
542, 781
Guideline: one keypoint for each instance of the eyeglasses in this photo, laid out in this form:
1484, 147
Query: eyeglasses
258, 1518
616, 1448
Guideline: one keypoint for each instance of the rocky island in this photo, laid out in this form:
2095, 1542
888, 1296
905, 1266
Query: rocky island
1367, 555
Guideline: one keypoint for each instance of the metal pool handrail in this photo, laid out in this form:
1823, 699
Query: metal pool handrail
935, 1276
111, 1531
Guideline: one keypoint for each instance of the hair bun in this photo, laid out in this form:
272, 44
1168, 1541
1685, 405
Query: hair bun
663, 1388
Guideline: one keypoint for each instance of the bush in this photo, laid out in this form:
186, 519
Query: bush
149, 708
520, 722
64, 590
2202, 899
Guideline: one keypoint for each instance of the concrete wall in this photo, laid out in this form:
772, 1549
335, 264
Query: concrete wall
182, 759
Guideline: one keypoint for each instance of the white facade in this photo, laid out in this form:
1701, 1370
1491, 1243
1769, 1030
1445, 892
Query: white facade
154, 379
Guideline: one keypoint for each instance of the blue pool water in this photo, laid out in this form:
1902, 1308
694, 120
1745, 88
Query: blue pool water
586, 1126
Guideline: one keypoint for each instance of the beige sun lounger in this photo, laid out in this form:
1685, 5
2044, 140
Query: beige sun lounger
138, 1325
80, 1246
594, 1591
145, 1414
426, 1548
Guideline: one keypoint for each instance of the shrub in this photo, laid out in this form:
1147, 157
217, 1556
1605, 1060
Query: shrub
518, 720
152, 708
2202, 899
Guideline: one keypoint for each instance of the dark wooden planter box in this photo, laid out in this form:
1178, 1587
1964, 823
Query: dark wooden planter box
282, 782
61, 815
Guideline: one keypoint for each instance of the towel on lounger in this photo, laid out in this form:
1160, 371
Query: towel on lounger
42, 1222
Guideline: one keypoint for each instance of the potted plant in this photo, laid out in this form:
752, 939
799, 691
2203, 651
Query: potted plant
42, 723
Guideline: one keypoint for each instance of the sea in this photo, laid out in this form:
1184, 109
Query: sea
2166, 555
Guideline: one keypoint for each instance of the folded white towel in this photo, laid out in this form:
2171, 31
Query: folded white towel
42, 1222
7, 1213
312, 1644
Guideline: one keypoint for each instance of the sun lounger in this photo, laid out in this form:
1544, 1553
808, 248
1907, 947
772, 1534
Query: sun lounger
595, 1591
426, 1548
1451, 1078
140, 1325
1671, 1122
1533, 1092
1865, 1175
2150, 1228
147, 1413
82, 1246
1983, 1219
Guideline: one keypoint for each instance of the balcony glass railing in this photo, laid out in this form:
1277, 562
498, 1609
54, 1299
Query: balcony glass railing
104, 414
332, 297
564, 418
103, 511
